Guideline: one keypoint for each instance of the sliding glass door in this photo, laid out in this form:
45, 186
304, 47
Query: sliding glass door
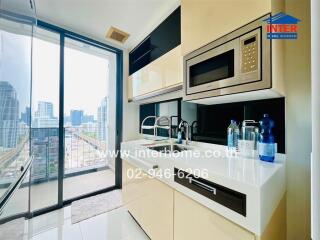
89, 118
15, 89
73, 119
45, 119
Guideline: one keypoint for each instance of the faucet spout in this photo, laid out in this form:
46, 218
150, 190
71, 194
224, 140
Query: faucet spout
186, 127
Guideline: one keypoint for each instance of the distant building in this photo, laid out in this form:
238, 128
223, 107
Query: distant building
45, 149
76, 117
43, 117
43, 122
45, 109
9, 115
88, 118
102, 120
89, 127
26, 116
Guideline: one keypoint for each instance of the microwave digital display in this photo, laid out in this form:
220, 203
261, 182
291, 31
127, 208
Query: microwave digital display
250, 40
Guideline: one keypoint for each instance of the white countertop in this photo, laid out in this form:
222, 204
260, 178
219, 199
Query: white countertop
262, 182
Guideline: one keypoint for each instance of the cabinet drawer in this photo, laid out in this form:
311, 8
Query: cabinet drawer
229, 198
194, 221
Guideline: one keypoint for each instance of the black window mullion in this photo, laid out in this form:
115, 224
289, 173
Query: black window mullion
61, 123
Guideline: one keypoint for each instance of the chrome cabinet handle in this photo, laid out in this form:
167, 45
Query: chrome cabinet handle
202, 185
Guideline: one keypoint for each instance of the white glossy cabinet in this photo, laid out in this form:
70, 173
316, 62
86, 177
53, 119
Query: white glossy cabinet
163, 73
149, 201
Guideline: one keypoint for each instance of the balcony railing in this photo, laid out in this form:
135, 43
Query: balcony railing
84, 152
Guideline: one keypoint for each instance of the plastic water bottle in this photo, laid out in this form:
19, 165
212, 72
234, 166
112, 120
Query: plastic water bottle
266, 146
233, 135
179, 138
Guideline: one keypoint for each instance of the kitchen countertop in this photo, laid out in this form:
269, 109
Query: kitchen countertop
263, 183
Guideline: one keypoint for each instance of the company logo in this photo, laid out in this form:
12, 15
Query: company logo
282, 26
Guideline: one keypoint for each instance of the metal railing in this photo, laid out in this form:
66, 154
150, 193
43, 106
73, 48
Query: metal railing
84, 150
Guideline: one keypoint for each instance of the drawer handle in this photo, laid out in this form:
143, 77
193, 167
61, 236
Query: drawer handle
202, 185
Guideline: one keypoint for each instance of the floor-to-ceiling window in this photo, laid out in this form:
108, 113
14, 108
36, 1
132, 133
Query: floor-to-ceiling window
15, 88
89, 107
45, 119
73, 117
76, 83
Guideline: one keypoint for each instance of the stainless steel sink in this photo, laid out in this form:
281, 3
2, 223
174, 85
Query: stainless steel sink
169, 148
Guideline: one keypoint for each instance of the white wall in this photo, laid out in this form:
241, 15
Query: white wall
298, 123
130, 129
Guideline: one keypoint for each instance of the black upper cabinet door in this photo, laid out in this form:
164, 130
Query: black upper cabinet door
141, 56
160, 41
167, 35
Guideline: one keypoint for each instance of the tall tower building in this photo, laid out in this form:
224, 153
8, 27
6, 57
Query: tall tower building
9, 115
26, 116
76, 117
45, 110
43, 117
102, 119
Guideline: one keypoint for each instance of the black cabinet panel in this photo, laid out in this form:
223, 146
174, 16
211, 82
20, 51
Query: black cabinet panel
227, 197
167, 35
160, 41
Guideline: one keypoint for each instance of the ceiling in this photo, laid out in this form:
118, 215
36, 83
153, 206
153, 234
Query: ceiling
93, 18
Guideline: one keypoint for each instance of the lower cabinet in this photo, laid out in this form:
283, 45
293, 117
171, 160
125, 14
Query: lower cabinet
149, 201
194, 221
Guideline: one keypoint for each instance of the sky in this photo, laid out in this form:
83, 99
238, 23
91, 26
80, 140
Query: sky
15, 62
86, 75
86, 78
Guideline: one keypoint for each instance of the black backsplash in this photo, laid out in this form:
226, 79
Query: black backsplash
210, 122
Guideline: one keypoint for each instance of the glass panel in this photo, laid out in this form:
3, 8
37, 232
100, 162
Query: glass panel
212, 69
89, 110
45, 121
19, 203
15, 86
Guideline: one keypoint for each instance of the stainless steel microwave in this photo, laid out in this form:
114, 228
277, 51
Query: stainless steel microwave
235, 63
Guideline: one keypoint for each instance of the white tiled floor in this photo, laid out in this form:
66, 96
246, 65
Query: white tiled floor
114, 225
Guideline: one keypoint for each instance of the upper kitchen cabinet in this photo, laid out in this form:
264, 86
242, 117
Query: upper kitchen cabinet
160, 41
155, 65
203, 21
165, 73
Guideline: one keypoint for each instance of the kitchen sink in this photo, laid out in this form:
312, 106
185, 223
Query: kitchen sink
169, 148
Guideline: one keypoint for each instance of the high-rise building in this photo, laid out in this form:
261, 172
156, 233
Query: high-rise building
43, 117
9, 115
88, 118
102, 120
76, 117
26, 116
45, 109
45, 149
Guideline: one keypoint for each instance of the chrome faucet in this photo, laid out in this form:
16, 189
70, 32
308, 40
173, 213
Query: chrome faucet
185, 126
163, 122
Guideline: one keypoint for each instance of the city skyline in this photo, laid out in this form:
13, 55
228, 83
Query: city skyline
77, 117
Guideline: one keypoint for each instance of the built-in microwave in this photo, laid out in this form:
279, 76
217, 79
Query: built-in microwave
235, 63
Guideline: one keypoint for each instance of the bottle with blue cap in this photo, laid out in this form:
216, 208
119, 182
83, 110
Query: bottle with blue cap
233, 135
266, 144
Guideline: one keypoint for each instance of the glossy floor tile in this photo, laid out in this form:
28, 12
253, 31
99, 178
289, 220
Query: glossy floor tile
114, 225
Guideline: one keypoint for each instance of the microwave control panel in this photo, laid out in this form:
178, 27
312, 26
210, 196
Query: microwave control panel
249, 52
